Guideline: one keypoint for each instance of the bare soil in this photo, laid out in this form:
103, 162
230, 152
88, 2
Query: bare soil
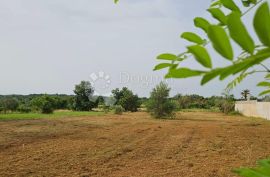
197, 144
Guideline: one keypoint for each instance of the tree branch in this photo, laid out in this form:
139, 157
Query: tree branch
265, 67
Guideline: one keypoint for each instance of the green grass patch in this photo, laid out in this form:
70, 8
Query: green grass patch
200, 110
56, 114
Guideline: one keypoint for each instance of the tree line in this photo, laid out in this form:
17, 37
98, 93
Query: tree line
82, 100
159, 103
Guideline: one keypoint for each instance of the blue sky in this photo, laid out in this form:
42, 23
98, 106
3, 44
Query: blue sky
47, 46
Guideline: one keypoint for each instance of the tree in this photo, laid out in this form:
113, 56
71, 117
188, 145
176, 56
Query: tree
44, 104
191, 101
9, 104
100, 101
83, 94
159, 104
62, 101
245, 93
2, 108
129, 101
117, 94
126, 99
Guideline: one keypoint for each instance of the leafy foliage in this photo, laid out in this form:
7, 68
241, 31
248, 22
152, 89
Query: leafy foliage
245, 93
25, 103
23, 108
9, 104
192, 37
265, 84
159, 104
263, 170
227, 106
230, 27
126, 99
44, 104
201, 55
118, 110
83, 94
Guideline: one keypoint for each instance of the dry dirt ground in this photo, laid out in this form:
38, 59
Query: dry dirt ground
198, 144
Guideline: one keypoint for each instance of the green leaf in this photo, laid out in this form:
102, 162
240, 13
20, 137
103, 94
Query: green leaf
219, 15
116, 1
245, 64
167, 56
163, 65
215, 3
245, 172
201, 23
183, 73
265, 93
220, 41
210, 75
229, 4
263, 84
262, 24
247, 3
192, 37
238, 80
239, 33
263, 170
201, 55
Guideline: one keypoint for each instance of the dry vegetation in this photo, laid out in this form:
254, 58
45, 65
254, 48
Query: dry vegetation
198, 144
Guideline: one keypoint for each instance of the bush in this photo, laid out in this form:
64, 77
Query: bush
118, 110
44, 104
9, 104
226, 106
47, 108
106, 108
126, 99
24, 108
159, 104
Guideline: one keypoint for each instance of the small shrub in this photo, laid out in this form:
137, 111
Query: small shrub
44, 104
106, 108
118, 110
159, 104
227, 106
47, 108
